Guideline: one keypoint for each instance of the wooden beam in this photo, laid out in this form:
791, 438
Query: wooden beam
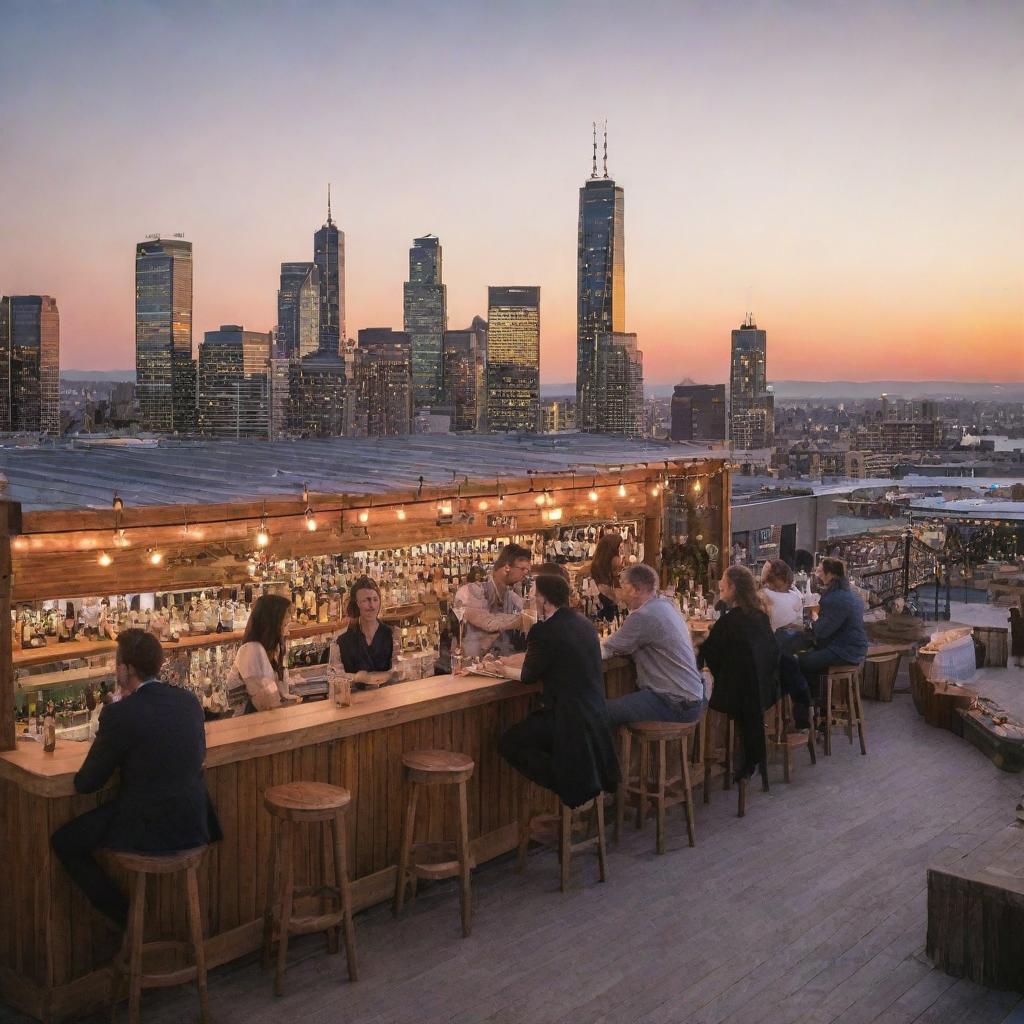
10, 523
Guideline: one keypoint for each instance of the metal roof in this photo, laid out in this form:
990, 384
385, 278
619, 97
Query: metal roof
85, 473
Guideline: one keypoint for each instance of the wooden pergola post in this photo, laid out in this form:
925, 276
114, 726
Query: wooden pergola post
10, 526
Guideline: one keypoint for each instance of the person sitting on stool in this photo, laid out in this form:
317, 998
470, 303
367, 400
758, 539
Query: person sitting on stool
155, 735
567, 745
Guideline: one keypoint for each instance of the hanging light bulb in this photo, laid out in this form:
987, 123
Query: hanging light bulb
155, 557
120, 540
554, 515
20, 544
311, 523
501, 501
118, 502
483, 506
697, 486
262, 536
104, 559
400, 514
364, 516
655, 490
622, 488
539, 500
305, 495
593, 490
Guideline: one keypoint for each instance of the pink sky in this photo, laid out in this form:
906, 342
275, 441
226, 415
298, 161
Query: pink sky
850, 172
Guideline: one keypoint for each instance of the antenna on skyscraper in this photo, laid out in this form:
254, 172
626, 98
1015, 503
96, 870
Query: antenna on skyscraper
329, 221
606, 148
593, 169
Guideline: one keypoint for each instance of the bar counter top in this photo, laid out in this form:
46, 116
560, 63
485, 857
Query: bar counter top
270, 732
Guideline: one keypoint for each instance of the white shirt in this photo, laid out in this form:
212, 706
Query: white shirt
252, 674
783, 608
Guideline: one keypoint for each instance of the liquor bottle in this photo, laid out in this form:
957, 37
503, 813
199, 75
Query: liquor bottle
49, 729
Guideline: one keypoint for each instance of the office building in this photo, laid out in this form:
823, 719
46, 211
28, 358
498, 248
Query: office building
698, 412
426, 319
318, 395
382, 385
329, 256
513, 358
29, 364
600, 279
279, 400
165, 372
619, 386
298, 310
462, 378
234, 383
557, 415
751, 404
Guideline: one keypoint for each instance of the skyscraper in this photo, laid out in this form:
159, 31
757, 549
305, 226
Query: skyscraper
751, 404
619, 386
461, 366
426, 318
234, 383
298, 310
513, 358
600, 278
329, 256
382, 371
698, 412
318, 395
165, 372
29, 364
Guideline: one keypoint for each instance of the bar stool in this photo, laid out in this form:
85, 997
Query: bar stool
129, 959
730, 751
843, 682
541, 826
290, 805
782, 736
436, 768
657, 787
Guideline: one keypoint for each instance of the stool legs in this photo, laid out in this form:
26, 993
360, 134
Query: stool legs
856, 701
408, 828
287, 896
136, 927
564, 847
345, 895
685, 769
620, 795
828, 717
195, 922
660, 798
602, 849
465, 893
268, 903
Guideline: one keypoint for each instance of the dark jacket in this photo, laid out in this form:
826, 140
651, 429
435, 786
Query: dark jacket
359, 656
743, 656
565, 653
839, 628
156, 737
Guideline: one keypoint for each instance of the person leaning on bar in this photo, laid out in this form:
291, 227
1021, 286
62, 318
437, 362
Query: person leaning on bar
566, 746
156, 736
670, 687
258, 680
368, 644
491, 611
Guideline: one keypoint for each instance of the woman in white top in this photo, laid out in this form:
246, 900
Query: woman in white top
258, 680
785, 603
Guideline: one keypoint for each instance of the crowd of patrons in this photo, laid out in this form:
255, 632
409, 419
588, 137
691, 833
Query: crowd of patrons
759, 649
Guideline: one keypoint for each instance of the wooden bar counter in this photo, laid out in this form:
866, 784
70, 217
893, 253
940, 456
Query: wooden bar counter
54, 948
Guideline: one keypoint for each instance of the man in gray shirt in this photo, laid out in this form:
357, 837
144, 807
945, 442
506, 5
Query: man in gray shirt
655, 636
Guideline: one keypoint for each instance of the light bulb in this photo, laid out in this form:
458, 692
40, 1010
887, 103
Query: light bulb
262, 537
655, 491
401, 515
622, 490
364, 516
539, 500
104, 559
310, 522
155, 557
696, 487
592, 495
554, 514
20, 544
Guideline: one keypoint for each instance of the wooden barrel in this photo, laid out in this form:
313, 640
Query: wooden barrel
995, 639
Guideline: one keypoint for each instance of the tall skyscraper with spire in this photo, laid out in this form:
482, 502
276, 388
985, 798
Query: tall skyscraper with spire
426, 319
751, 404
600, 279
329, 256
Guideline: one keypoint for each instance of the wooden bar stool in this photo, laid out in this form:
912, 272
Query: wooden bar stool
557, 829
656, 786
436, 860
785, 738
129, 959
843, 704
717, 726
291, 805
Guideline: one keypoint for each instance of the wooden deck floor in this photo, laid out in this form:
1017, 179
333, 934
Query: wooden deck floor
811, 909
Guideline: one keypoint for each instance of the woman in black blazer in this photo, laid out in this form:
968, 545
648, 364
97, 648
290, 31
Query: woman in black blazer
743, 656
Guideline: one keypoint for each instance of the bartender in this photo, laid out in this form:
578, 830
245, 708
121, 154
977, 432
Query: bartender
368, 644
491, 612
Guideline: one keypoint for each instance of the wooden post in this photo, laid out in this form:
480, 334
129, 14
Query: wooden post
10, 524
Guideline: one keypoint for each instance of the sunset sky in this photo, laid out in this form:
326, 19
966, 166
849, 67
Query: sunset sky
852, 172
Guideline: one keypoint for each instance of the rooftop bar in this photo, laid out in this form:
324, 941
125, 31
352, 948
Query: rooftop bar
53, 948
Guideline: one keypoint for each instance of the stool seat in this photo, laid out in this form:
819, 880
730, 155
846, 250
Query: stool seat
157, 863
662, 730
306, 801
438, 766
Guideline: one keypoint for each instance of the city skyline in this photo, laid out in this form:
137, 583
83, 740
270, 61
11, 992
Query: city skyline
854, 182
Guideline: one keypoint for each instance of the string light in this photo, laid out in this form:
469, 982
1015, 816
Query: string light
117, 503
622, 488
553, 515
592, 495
400, 515
655, 491
539, 500
155, 557
262, 536
120, 540
104, 559
305, 495
311, 523
364, 516
483, 506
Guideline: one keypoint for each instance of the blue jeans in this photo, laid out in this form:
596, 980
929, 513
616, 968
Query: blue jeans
648, 706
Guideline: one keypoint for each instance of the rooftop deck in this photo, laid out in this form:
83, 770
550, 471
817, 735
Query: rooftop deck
811, 909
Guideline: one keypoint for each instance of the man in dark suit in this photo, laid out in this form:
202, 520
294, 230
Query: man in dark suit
567, 745
155, 735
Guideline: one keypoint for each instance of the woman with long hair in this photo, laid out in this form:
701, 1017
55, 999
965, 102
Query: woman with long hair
368, 644
258, 680
785, 606
605, 567
741, 652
